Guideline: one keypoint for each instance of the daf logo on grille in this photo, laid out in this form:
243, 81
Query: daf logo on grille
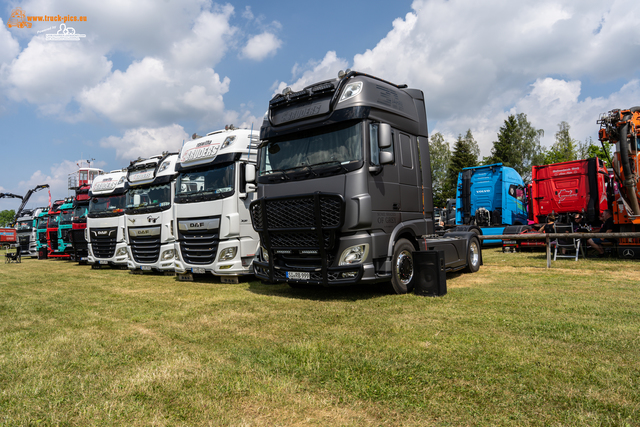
628, 253
196, 224
144, 231
103, 233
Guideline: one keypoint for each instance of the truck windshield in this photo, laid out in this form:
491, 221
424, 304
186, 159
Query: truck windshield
80, 212
314, 153
26, 225
65, 217
103, 206
42, 223
216, 182
146, 199
53, 221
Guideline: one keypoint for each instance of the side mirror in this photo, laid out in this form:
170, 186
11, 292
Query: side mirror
384, 136
250, 172
386, 157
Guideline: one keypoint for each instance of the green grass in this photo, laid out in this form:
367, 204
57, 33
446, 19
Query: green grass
514, 344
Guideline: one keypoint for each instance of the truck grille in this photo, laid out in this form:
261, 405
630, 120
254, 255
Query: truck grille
66, 235
298, 212
53, 240
103, 241
42, 238
198, 246
24, 243
146, 248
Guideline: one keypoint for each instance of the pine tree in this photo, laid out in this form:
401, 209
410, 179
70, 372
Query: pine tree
440, 157
565, 148
463, 156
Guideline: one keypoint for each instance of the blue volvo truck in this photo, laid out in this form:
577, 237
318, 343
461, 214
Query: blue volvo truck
490, 198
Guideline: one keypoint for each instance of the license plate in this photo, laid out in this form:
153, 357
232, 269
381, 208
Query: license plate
198, 270
186, 277
298, 275
103, 262
508, 242
84, 258
145, 267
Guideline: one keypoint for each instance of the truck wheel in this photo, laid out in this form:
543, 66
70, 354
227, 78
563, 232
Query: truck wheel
473, 256
402, 266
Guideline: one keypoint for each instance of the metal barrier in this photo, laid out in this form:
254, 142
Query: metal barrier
550, 236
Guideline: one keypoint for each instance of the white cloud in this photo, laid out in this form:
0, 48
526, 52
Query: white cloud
9, 47
52, 73
314, 71
145, 142
261, 46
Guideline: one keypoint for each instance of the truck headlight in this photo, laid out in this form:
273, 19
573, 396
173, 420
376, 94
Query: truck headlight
168, 254
227, 254
121, 252
265, 254
354, 254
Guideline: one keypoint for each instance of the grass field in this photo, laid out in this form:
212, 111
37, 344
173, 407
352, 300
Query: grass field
514, 344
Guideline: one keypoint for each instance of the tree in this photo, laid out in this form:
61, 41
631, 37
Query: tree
565, 148
518, 146
440, 157
6, 217
464, 155
588, 149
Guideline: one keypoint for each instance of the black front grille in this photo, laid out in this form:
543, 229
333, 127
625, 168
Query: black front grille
103, 242
42, 238
53, 240
145, 249
24, 243
198, 246
299, 212
66, 235
299, 240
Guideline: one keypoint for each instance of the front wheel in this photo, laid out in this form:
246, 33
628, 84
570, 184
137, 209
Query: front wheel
402, 269
473, 255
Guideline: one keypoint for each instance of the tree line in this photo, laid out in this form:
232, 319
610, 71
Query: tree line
517, 146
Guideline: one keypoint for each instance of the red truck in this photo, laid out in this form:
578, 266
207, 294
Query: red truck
567, 188
8, 236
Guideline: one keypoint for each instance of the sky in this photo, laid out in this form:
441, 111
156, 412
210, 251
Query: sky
142, 76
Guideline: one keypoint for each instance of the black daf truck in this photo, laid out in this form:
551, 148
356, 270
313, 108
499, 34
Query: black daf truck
344, 187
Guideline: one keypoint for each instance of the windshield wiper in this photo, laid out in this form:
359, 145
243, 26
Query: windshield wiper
330, 162
282, 172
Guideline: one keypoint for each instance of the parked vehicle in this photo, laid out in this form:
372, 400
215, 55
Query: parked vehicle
8, 237
564, 189
449, 214
27, 232
80, 182
149, 215
105, 221
42, 220
53, 222
344, 187
211, 210
622, 128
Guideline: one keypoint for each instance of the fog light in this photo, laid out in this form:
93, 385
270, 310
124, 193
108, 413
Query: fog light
167, 255
227, 254
121, 252
349, 275
225, 267
354, 254
351, 90
265, 254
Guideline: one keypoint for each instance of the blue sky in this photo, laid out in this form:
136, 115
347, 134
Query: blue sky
150, 73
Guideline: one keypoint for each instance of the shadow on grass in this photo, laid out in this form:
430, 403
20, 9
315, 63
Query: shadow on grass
320, 293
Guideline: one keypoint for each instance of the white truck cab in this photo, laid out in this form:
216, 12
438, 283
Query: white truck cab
148, 214
105, 221
214, 189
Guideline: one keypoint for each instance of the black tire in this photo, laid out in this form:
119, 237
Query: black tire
473, 255
402, 269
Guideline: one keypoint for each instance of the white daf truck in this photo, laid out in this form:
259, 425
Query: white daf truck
211, 206
105, 221
148, 214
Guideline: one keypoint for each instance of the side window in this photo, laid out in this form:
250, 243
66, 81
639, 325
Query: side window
373, 142
405, 148
517, 192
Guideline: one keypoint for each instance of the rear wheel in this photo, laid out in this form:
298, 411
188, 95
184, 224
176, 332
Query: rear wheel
473, 255
402, 269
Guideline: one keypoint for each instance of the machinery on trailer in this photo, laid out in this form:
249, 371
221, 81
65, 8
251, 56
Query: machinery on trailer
105, 221
149, 215
622, 128
344, 187
211, 210
490, 198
